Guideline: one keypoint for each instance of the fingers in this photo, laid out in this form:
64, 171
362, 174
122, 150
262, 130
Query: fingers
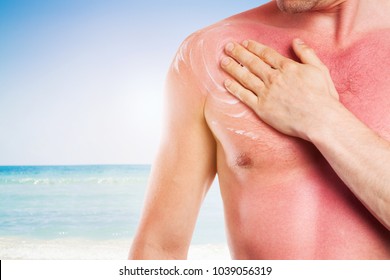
243, 94
246, 78
266, 54
305, 53
248, 59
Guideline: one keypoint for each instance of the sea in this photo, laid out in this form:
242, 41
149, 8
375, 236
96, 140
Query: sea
57, 207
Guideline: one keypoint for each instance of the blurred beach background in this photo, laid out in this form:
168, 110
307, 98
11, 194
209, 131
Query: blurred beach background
81, 94
87, 212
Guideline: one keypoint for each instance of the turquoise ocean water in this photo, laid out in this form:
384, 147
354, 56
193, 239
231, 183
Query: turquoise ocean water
101, 202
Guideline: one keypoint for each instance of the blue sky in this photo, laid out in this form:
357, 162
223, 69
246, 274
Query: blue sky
81, 80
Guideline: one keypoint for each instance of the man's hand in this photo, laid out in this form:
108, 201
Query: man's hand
290, 96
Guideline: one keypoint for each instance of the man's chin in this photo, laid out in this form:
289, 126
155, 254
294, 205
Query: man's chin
295, 6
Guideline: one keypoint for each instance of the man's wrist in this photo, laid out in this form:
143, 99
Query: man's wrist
328, 124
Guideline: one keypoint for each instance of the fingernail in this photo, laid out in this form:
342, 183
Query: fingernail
225, 61
228, 82
245, 43
229, 47
299, 41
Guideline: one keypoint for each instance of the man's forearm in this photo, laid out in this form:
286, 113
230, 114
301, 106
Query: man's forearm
360, 157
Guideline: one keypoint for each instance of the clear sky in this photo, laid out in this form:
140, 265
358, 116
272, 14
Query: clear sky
81, 81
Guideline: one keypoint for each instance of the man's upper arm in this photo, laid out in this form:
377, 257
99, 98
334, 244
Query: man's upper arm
183, 171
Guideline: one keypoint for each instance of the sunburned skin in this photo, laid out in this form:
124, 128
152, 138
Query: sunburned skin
282, 200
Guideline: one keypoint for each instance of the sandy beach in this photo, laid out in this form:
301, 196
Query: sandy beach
83, 249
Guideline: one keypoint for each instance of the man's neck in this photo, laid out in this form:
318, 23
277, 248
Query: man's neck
342, 22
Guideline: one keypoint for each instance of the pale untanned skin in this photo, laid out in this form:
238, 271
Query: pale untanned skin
282, 196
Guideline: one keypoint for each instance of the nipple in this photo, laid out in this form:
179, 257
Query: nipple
244, 161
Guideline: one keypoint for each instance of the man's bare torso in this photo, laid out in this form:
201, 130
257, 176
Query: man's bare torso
282, 200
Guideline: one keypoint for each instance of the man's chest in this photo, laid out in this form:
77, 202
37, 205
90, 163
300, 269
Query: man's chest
360, 73
361, 77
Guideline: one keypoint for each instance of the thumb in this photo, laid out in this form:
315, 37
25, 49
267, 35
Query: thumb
305, 53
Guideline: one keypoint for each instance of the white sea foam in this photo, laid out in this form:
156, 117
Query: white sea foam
13, 248
68, 175
70, 181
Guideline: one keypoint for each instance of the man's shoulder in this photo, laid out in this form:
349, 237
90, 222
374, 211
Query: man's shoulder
198, 57
229, 26
245, 25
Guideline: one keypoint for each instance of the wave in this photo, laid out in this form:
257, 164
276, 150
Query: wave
67, 175
73, 180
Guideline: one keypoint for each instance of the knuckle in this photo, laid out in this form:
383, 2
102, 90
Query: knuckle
242, 95
249, 82
245, 76
266, 54
274, 77
257, 88
289, 66
252, 61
